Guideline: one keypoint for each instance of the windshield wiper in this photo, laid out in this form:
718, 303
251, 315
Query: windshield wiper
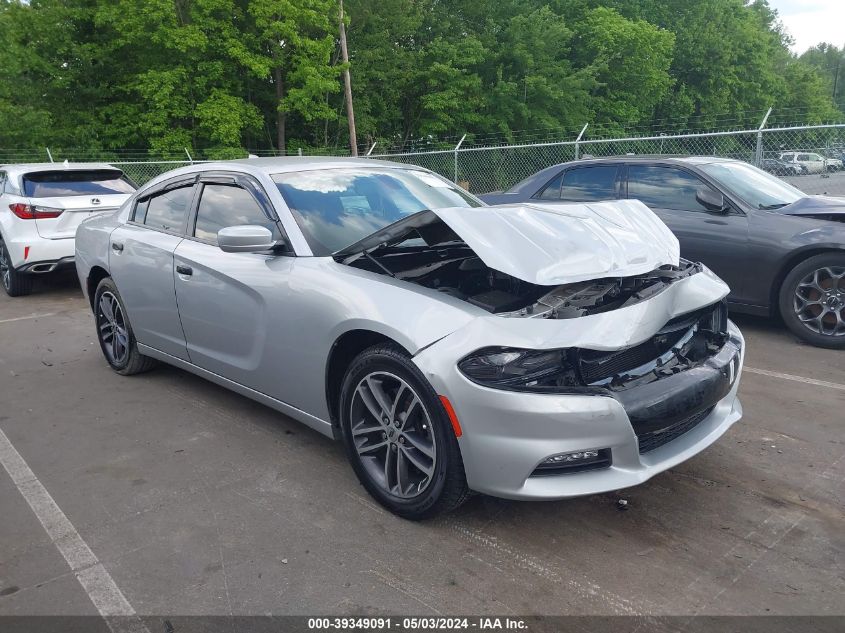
770, 207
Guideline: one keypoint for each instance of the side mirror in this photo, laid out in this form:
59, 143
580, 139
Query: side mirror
711, 200
249, 238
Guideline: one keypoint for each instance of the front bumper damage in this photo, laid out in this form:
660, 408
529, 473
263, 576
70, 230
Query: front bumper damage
643, 427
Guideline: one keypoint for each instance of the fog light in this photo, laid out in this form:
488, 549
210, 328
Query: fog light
571, 457
576, 461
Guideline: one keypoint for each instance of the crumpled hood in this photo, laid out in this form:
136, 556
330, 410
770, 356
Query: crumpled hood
557, 244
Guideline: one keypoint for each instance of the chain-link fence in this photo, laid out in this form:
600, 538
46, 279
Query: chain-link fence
810, 157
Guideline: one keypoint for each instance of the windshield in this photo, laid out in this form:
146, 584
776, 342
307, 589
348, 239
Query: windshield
47, 184
338, 207
756, 187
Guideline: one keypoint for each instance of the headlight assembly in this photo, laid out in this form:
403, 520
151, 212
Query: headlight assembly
519, 369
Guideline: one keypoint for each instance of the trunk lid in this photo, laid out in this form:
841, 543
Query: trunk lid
74, 210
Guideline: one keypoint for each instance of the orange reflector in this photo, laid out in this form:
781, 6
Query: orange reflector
25, 252
456, 426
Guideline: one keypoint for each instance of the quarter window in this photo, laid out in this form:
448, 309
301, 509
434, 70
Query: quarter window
664, 188
585, 184
227, 205
166, 210
552, 190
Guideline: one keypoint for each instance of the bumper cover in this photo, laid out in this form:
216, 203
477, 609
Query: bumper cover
508, 434
41, 251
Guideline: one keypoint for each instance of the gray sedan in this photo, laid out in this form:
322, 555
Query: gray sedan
781, 251
524, 352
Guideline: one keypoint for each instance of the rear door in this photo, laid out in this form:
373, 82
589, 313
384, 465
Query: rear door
719, 240
63, 198
141, 263
233, 305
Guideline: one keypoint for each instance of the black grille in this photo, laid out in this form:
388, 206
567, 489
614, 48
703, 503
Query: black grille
655, 439
597, 366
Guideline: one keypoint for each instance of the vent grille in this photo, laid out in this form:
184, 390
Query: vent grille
655, 439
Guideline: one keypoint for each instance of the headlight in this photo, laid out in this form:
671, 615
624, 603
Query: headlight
519, 369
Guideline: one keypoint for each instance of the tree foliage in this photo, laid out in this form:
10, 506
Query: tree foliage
223, 75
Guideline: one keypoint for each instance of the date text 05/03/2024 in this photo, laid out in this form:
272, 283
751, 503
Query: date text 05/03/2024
417, 623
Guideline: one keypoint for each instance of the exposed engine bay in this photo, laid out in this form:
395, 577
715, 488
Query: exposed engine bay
454, 269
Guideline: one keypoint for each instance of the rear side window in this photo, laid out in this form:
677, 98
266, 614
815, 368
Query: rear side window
100, 182
228, 205
166, 210
586, 184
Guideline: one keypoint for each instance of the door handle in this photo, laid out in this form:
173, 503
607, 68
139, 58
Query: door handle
117, 246
184, 270
722, 222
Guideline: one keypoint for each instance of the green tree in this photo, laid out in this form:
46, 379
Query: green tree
829, 62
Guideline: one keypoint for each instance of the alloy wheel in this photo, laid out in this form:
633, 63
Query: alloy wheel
393, 435
111, 328
5, 267
819, 301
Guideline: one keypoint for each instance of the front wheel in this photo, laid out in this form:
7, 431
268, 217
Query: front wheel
398, 436
16, 284
812, 300
115, 333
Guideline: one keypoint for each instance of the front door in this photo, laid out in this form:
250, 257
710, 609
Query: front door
718, 240
226, 299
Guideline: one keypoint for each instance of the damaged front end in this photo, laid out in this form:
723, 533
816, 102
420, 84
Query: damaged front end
536, 269
666, 384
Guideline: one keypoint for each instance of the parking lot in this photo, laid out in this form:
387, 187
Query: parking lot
198, 501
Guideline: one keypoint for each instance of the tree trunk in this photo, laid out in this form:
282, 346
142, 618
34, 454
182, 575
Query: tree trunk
281, 115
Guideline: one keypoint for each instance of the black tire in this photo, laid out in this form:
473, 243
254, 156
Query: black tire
129, 361
822, 292
446, 486
16, 284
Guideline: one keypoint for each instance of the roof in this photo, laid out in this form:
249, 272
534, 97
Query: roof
691, 160
28, 168
276, 165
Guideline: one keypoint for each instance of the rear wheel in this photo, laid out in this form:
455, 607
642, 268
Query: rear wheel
398, 436
115, 333
16, 284
812, 300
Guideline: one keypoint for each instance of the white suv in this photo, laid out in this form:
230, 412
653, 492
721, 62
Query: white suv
810, 162
40, 207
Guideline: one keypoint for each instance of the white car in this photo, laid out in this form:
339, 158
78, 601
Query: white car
40, 207
810, 162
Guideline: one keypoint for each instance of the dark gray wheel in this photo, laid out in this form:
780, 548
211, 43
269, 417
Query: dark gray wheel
114, 332
393, 434
812, 300
398, 436
111, 327
16, 284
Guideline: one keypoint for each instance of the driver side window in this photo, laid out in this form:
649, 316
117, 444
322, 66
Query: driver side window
665, 188
228, 205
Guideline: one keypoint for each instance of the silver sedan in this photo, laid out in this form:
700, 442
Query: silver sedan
518, 351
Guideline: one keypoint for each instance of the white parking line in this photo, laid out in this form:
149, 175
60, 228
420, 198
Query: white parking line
89, 571
29, 316
806, 381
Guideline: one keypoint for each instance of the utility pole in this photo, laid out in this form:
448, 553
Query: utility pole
347, 84
836, 74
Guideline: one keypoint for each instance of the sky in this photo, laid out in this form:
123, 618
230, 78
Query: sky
811, 22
